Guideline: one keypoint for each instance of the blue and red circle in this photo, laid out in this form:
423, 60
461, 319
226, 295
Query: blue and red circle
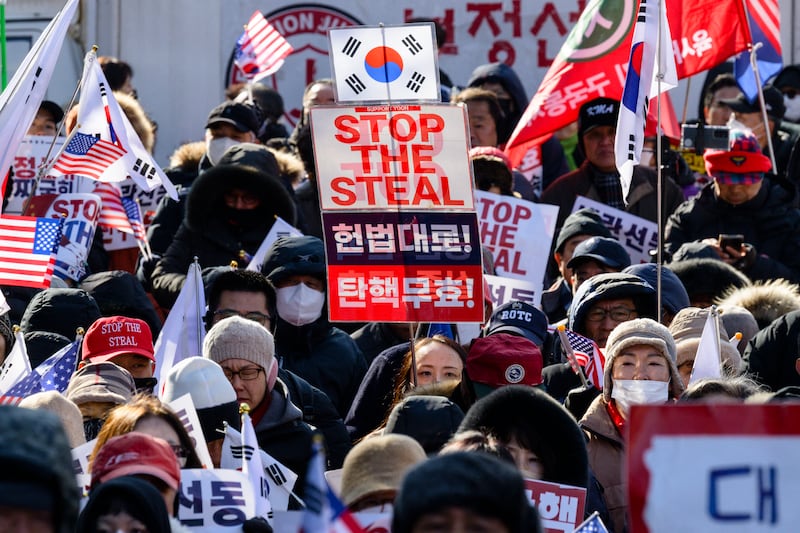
383, 64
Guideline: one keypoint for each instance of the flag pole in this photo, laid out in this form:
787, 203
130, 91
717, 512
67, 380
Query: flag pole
753, 47
659, 170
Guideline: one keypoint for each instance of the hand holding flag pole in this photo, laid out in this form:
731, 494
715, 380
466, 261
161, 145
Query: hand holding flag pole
573, 362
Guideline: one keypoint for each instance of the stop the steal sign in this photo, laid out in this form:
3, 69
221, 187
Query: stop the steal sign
714, 468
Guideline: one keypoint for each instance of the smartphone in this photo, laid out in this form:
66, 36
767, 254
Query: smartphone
734, 240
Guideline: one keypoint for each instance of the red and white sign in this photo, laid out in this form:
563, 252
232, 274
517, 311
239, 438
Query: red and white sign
401, 157
560, 506
714, 468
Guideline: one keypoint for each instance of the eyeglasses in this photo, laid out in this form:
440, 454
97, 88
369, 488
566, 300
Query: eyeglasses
255, 316
181, 453
246, 374
617, 314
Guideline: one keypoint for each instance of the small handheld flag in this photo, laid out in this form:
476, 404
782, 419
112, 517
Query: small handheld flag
261, 49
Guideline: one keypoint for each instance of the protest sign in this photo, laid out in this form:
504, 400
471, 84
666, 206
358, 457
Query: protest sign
637, 235
30, 156
80, 457
518, 233
502, 290
714, 468
392, 156
403, 266
560, 506
186, 412
214, 500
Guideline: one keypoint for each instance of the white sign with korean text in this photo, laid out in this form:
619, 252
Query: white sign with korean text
184, 408
637, 235
215, 500
503, 290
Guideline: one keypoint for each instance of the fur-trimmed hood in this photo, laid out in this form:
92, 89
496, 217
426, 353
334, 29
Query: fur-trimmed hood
206, 197
187, 156
526, 410
766, 301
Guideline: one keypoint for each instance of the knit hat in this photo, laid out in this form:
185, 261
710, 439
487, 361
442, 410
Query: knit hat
503, 359
605, 250
737, 319
212, 394
294, 255
687, 328
136, 453
469, 480
636, 332
101, 382
430, 420
742, 164
598, 112
378, 464
518, 318
673, 294
110, 337
582, 222
64, 409
238, 338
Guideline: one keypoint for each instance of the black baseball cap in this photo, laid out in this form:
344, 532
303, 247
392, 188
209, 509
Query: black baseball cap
521, 319
54, 109
598, 112
604, 250
773, 100
240, 116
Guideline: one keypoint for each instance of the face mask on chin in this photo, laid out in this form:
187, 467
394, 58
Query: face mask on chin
627, 392
216, 148
299, 304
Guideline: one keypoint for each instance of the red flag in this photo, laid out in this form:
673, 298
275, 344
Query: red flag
28, 247
88, 156
592, 61
260, 50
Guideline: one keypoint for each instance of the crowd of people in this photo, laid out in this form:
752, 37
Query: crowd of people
436, 431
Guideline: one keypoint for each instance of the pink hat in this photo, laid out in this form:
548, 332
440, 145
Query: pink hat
136, 453
109, 337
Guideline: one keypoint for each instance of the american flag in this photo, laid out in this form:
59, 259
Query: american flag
135, 218
88, 156
765, 27
589, 357
52, 374
28, 247
260, 50
593, 524
112, 210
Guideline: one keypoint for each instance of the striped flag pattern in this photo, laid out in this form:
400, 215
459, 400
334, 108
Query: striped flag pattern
112, 211
261, 49
765, 28
88, 156
589, 356
53, 373
134, 213
28, 247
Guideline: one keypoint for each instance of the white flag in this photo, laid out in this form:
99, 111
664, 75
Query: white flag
16, 366
707, 359
641, 85
184, 330
281, 480
99, 115
20, 100
279, 229
254, 469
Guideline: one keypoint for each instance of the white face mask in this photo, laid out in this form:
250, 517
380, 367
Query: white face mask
216, 148
299, 304
792, 108
627, 392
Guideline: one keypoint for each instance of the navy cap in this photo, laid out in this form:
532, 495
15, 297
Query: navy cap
773, 100
240, 116
604, 250
519, 318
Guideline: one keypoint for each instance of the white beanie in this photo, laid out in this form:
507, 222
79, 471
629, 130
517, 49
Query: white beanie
637, 332
238, 338
203, 379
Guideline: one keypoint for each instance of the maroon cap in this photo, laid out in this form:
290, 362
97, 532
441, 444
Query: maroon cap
504, 359
111, 336
136, 453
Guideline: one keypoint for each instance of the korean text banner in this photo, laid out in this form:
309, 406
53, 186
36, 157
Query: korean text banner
404, 267
403, 157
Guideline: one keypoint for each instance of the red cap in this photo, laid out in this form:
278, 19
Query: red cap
136, 453
504, 359
111, 336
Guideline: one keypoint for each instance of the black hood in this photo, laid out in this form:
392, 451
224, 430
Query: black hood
206, 202
118, 292
61, 311
142, 499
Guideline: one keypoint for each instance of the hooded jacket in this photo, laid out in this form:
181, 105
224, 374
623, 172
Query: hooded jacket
145, 502
609, 287
208, 230
642, 197
770, 357
60, 311
118, 292
768, 221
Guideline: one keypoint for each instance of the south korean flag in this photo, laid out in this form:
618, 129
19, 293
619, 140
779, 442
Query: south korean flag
385, 63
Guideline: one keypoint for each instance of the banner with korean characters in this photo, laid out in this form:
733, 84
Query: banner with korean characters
403, 266
714, 468
560, 506
518, 233
216, 500
637, 235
